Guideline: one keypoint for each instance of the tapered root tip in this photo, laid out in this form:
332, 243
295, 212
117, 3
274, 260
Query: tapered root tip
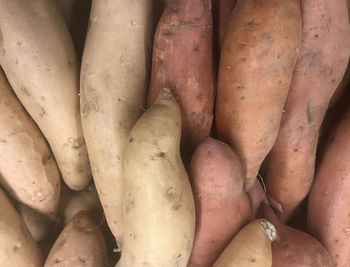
269, 229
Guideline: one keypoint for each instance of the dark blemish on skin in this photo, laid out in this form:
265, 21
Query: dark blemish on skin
316, 35
162, 154
197, 18
278, 56
169, 33
174, 9
70, 63
279, 82
57, 260
45, 159
241, 87
252, 260
3, 51
15, 248
203, 36
131, 140
309, 115
42, 112
200, 96
196, 49
243, 59
82, 260
16, 61
25, 91
42, 98
19, 43
241, 97
252, 25
188, 23
296, 150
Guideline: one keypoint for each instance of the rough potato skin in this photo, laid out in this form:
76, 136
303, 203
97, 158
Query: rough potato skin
183, 61
17, 247
328, 216
294, 248
222, 204
28, 170
256, 65
251, 247
113, 92
158, 207
319, 70
80, 244
38, 57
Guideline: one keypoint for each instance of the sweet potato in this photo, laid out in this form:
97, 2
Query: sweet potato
80, 244
222, 10
182, 61
37, 223
222, 205
256, 66
37, 55
17, 247
250, 247
328, 215
294, 248
113, 92
158, 206
28, 170
323, 60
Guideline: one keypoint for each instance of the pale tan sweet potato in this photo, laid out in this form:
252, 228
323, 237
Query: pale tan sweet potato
183, 61
320, 68
158, 206
222, 204
257, 61
80, 244
328, 216
113, 89
250, 247
38, 57
28, 170
17, 247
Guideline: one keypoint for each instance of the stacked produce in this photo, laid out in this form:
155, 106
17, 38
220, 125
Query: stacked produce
179, 133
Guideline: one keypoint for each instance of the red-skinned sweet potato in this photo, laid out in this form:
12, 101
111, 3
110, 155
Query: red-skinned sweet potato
324, 56
257, 60
182, 61
222, 205
328, 215
294, 248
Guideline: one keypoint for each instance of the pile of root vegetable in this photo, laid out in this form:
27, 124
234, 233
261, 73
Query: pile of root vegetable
174, 133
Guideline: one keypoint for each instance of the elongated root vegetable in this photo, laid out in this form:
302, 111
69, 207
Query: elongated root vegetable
158, 209
38, 224
323, 60
113, 90
222, 205
27, 168
37, 55
294, 248
257, 61
328, 215
80, 244
182, 60
222, 10
17, 247
250, 247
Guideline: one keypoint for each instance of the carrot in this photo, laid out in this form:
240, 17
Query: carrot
222, 205
257, 61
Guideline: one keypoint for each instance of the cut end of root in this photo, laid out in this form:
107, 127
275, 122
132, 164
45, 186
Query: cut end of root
166, 94
269, 229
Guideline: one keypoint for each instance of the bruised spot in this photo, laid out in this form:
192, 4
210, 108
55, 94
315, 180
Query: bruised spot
131, 140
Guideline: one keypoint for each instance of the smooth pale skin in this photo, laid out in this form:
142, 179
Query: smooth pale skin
257, 61
158, 207
72, 202
17, 247
294, 248
222, 204
38, 57
80, 244
323, 60
28, 170
182, 60
250, 247
328, 216
38, 224
113, 89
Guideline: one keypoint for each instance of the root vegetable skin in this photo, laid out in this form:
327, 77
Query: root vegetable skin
17, 247
294, 248
257, 60
222, 10
28, 170
158, 209
183, 61
328, 216
322, 63
37, 55
80, 244
113, 92
250, 247
222, 205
